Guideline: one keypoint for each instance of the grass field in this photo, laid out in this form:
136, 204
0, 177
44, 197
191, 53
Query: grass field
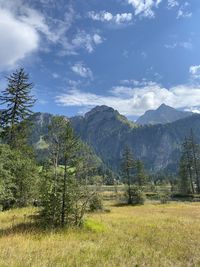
149, 235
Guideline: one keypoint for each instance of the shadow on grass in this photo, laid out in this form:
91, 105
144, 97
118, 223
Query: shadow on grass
23, 228
124, 204
120, 204
31, 226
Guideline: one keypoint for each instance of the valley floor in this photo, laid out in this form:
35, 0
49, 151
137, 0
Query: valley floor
149, 235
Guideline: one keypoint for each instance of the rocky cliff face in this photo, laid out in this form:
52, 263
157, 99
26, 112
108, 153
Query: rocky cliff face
164, 114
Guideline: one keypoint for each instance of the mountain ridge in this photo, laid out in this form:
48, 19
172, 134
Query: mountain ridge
162, 115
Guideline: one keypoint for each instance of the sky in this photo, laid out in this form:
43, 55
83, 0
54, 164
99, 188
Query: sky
132, 55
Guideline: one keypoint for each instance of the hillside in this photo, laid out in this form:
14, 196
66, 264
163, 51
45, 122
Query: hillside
163, 114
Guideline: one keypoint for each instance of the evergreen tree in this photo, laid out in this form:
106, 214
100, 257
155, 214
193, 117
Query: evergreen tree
128, 165
17, 102
189, 175
184, 181
64, 194
140, 173
195, 151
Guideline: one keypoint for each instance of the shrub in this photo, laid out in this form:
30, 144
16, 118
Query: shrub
135, 195
95, 203
164, 198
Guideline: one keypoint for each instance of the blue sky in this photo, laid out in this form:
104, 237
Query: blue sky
132, 55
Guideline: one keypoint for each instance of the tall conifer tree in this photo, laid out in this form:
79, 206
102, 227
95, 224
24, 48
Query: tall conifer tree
17, 102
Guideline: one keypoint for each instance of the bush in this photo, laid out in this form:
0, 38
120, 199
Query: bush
164, 198
95, 203
135, 195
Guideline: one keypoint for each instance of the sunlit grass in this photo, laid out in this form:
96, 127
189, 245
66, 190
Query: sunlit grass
149, 235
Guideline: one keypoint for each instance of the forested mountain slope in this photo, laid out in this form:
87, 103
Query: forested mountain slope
157, 145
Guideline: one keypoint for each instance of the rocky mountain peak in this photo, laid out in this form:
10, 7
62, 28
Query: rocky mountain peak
163, 114
100, 110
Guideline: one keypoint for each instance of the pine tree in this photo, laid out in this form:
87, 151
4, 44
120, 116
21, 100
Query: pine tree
195, 150
187, 164
128, 164
140, 173
18, 101
185, 181
64, 195
189, 175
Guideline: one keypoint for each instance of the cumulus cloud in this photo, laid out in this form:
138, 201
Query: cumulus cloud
24, 30
18, 39
195, 71
21, 29
105, 16
81, 70
144, 7
134, 101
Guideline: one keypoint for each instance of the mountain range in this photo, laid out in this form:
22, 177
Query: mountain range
108, 132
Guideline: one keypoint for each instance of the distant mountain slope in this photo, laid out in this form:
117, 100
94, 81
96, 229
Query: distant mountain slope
108, 132
164, 114
157, 145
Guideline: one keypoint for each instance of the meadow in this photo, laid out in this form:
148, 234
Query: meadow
150, 235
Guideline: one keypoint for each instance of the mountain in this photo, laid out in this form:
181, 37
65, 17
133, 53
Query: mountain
163, 114
157, 145
107, 133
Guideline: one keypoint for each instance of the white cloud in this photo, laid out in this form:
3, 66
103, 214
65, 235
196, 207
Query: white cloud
36, 20
144, 7
186, 45
193, 109
172, 3
97, 39
195, 71
83, 71
104, 16
55, 75
135, 100
87, 41
24, 30
81, 40
183, 11
18, 39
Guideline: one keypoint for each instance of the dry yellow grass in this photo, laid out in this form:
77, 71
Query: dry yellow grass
150, 235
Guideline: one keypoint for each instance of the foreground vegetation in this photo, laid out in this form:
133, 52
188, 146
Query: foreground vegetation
148, 235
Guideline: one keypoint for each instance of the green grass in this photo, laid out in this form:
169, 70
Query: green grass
149, 235
41, 144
